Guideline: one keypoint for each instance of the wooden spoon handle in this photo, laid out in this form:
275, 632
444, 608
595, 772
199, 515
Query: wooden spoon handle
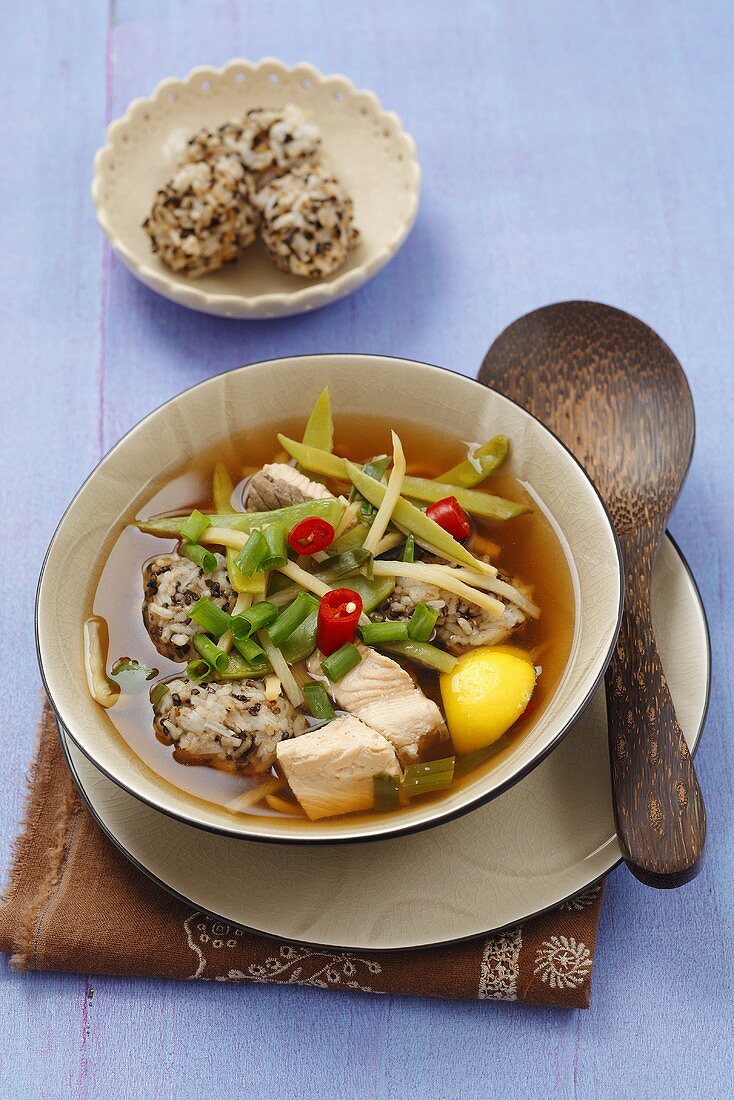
661, 819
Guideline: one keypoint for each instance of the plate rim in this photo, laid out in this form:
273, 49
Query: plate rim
63, 733
439, 819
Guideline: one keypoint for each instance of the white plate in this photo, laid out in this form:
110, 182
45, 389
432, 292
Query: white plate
546, 839
364, 145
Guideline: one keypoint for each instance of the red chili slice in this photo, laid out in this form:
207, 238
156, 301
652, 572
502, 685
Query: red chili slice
449, 514
339, 613
311, 535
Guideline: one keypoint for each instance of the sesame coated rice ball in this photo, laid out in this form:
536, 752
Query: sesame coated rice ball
307, 224
268, 141
203, 217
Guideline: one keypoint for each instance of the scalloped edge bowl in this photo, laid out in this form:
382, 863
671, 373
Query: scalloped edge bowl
365, 145
203, 418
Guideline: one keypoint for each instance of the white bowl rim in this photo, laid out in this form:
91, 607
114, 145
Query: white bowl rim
256, 306
251, 834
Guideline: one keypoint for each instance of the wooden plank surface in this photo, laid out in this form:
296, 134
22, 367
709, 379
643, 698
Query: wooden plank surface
571, 148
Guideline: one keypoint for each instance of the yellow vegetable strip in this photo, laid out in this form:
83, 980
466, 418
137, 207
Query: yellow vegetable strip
389, 542
306, 580
224, 536
222, 489
272, 687
257, 793
349, 518
442, 577
283, 806
390, 499
101, 688
501, 588
281, 669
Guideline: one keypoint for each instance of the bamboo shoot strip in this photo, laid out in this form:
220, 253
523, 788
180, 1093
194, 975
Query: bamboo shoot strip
390, 497
222, 488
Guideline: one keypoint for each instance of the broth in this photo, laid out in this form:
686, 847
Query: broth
530, 550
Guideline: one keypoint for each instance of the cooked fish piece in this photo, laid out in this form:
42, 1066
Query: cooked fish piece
331, 770
384, 696
171, 585
279, 485
460, 624
225, 725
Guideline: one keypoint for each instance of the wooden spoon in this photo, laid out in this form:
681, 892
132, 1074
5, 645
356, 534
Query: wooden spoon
616, 395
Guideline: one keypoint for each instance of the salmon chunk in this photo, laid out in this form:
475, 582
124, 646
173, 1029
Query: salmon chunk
384, 696
331, 770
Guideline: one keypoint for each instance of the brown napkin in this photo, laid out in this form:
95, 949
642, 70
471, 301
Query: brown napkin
73, 902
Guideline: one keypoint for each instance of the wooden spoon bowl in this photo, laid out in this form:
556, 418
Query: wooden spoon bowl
613, 391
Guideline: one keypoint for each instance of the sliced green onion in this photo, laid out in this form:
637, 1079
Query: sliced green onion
318, 702
387, 793
472, 760
483, 462
261, 614
276, 539
240, 669
157, 692
423, 653
250, 558
222, 488
422, 623
129, 664
340, 662
209, 617
435, 775
302, 642
303, 605
198, 669
377, 633
250, 650
216, 657
409, 549
195, 526
200, 556
320, 427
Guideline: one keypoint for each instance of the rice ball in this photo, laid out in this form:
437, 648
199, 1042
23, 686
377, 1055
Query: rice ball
203, 217
307, 224
268, 141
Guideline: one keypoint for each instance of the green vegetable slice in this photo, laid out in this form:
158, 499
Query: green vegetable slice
129, 664
302, 642
423, 653
222, 488
329, 508
303, 606
478, 504
250, 558
489, 458
319, 702
435, 775
320, 427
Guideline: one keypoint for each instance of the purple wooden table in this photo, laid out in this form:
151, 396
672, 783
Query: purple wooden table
570, 149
